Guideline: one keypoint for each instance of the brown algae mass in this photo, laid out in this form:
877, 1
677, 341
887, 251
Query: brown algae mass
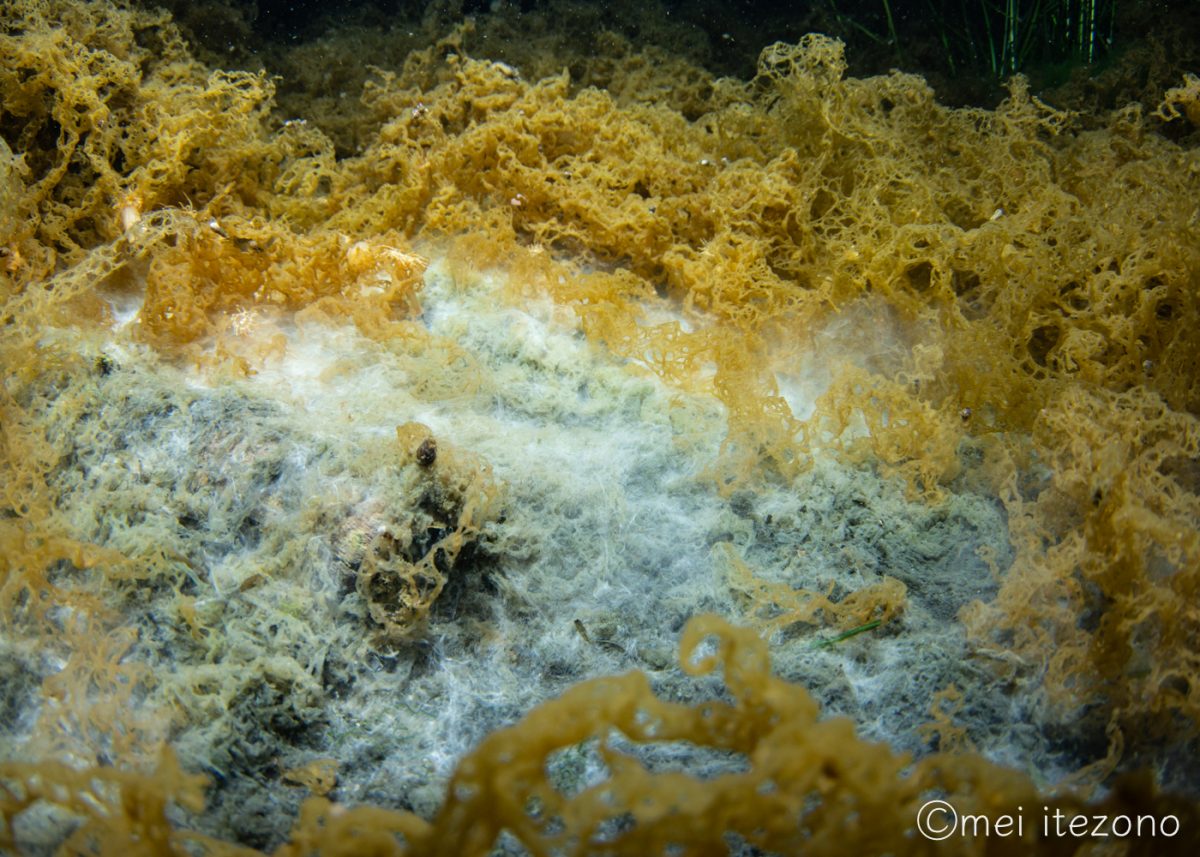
991, 315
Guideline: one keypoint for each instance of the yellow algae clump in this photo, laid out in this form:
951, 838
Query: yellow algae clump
807, 785
775, 606
198, 268
401, 574
1119, 512
1182, 100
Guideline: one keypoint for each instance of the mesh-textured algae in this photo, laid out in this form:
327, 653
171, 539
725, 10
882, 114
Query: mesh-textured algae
810, 786
1043, 273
